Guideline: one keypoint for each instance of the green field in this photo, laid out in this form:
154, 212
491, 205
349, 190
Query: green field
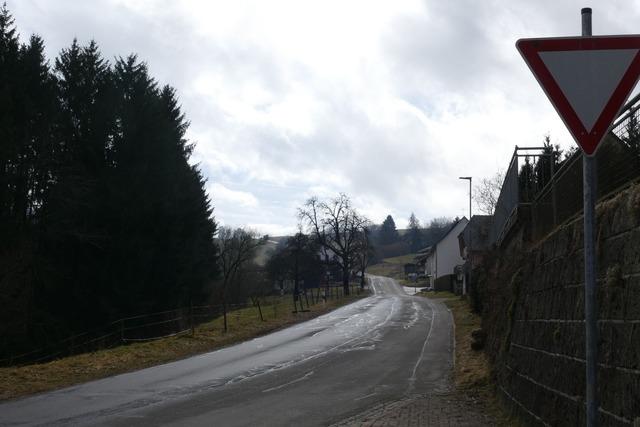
392, 267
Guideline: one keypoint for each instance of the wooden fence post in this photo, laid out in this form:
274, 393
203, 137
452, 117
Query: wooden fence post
259, 309
193, 330
224, 314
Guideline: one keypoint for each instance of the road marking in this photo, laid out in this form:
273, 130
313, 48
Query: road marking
424, 346
315, 356
365, 396
304, 377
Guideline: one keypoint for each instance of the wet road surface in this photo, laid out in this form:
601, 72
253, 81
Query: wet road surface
381, 348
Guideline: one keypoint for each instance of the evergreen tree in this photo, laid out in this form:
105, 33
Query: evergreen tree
101, 214
75, 221
388, 233
526, 181
543, 170
632, 137
27, 110
164, 202
414, 234
10, 84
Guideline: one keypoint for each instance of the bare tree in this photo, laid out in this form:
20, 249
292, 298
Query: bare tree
237, 249
486, 193
336, 225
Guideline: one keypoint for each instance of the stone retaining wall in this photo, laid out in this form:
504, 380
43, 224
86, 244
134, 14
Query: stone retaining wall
534, 311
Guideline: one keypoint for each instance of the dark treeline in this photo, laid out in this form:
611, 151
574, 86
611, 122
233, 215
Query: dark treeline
101, 215
389, 242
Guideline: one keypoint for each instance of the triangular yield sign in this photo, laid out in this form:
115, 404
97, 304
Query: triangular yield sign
587, 79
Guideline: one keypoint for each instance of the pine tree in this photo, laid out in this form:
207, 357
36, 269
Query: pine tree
76, 237
100, 210
526, 181
632, 137
9, 149
27, 112
414, 234
388, 232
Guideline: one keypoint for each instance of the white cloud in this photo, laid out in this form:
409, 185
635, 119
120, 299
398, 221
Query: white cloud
226, 196
388, 102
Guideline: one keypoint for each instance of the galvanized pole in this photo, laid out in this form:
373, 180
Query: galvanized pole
469, 260
470, 254
590, 302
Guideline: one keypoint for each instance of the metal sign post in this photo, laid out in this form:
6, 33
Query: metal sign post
590, 300
587, 79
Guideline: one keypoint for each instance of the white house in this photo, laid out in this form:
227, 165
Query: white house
443, 257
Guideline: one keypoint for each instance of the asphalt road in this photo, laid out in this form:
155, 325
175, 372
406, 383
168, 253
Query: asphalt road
381, 348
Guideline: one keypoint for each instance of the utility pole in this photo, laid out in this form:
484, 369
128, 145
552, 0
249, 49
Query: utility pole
469, 247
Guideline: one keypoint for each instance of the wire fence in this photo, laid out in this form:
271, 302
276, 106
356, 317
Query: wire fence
552, 193
529, 170
617, 166
164, 324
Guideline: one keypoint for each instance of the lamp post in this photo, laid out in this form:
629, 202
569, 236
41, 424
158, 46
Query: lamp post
464, 283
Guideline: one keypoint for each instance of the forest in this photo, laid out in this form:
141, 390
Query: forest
101, 213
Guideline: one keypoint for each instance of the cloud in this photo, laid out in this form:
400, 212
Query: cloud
226, 196
389, 102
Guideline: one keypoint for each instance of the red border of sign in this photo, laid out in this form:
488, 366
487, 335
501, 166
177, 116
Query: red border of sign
588, 141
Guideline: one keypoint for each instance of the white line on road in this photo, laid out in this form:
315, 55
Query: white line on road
304, 377
424, 346
365, 396
315, 356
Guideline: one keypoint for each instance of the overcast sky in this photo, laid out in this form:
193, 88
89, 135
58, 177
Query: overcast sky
387, 101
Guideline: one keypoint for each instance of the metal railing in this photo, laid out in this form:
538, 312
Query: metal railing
529, 170
556, 200
629, 114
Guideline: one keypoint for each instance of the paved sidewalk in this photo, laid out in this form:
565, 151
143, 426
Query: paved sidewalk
434, 410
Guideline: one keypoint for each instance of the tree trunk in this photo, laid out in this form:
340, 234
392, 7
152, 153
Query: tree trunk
295, 302
259, 309
345, 281
296, 284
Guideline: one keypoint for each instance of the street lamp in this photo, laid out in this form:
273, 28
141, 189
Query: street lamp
464, 283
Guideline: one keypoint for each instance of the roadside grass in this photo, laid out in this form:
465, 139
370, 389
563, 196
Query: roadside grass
472, 373
243, 324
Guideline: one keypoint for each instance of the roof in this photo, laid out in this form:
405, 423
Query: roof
424, 250
429, 250
450, 229
478, 229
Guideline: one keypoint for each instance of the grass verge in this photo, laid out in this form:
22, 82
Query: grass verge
243, 324
472, 372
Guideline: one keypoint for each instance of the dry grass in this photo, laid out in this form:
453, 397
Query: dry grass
243, 325
392, 267
472, 366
